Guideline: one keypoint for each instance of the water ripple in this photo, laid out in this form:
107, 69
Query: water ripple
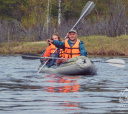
23, 90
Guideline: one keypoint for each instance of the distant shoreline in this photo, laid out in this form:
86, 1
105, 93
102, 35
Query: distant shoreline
95, 46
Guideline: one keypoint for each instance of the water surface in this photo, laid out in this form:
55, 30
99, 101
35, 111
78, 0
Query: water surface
24, 91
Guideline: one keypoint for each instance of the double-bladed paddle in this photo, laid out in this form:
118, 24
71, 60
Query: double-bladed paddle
113, 62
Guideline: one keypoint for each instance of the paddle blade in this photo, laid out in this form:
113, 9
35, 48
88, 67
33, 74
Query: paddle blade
30, 56
87, 8
116, 62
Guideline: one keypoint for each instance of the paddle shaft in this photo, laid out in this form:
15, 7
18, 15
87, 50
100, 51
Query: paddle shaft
38, 57
45, 63
42, 66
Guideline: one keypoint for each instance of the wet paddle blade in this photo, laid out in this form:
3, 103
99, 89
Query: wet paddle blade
116, 62
87, 8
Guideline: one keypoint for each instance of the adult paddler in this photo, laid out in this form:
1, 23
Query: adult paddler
72, 46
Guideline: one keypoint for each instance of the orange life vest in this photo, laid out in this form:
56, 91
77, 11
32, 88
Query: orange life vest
72, 51
53, 48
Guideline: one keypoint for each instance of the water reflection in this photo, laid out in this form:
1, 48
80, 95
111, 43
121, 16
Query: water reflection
63, 84
67, 84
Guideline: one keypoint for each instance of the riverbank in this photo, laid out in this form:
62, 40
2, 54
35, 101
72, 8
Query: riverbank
106, 46
23, 47
95, 45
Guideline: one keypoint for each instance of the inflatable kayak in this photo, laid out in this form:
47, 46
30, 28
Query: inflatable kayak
79, 65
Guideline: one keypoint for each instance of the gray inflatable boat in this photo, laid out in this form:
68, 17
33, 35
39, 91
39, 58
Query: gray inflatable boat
79, 65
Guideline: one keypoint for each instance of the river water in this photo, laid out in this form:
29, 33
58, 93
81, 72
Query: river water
24, 91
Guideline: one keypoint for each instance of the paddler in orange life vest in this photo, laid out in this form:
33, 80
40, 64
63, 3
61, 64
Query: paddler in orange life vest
72, 46
51, 48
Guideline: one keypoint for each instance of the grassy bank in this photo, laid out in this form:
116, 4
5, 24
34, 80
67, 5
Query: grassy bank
95, 45
106, 46
22, 47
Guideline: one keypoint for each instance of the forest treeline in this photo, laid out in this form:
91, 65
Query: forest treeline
35, 20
